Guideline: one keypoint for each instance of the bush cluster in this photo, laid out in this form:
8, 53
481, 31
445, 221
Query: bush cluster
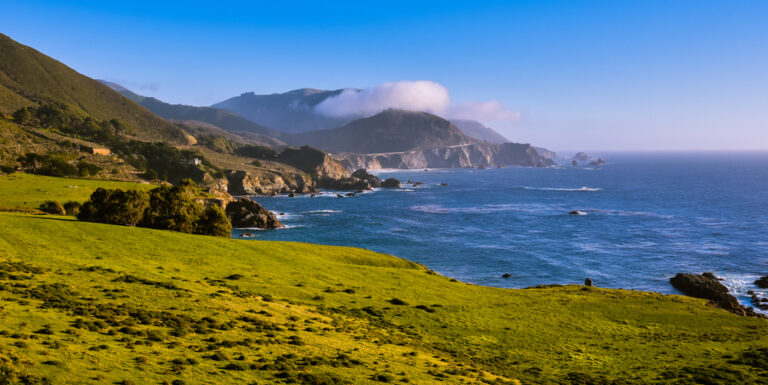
178, 208
56, 165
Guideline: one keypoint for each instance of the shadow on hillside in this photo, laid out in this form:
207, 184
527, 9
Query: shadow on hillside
53, 218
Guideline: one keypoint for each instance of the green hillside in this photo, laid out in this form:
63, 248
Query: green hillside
30, 78
27, 190
92, 303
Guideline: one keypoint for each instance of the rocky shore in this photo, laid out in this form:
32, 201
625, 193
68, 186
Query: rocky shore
708, 286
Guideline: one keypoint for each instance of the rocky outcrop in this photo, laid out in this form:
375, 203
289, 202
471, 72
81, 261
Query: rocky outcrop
707, 286
546, 153
391, 183
762, 282
476, 155
359, 180
268, 183
581, 157
314, 162
598, 162
245, 213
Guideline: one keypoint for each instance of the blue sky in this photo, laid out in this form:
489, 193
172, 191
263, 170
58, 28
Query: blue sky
593, 75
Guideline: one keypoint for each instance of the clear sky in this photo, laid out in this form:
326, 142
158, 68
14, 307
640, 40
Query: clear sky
592, 75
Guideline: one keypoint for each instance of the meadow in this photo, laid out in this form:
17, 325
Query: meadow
92, 303
29, 190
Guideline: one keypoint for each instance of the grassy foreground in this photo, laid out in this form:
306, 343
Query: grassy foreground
89, 303
92, 303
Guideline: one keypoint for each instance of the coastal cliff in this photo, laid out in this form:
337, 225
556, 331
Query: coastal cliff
476, 155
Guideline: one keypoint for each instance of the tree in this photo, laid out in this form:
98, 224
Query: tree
214, 221
150, 175
52, 207
22, 116
85, 169
115, 207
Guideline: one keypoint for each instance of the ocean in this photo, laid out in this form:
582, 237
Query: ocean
649, 216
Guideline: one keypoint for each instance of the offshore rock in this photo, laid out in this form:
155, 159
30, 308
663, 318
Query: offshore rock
245, 213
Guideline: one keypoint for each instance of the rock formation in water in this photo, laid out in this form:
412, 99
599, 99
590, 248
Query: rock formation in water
707, 286
245, 213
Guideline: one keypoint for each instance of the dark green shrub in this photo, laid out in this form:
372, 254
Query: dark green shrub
56, 166
22, 116
7, 169
87, 169
179, 208
255, 151
115, 207
397, 301
52, 207
72, 207
213, 221
150, 175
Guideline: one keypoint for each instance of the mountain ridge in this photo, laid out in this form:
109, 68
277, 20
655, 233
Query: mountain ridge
388, 131
288, 112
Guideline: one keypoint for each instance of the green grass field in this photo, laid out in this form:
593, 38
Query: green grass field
28, 190
93, 303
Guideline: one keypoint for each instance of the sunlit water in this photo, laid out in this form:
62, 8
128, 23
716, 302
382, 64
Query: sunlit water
649, 216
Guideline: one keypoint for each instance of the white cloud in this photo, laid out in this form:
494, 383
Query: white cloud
419, 95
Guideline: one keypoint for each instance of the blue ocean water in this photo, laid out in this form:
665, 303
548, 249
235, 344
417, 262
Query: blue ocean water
650, 216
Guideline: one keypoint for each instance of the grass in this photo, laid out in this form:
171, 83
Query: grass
91, 303
28, 190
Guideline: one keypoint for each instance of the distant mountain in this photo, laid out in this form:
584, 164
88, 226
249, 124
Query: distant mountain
223, 119
479, 131
289, 112
29, 78
388, 131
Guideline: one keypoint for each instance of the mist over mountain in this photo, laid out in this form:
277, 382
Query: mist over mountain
388, 131
289, 112
479, 131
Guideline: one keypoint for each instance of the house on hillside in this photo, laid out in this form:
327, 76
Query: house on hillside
96, 150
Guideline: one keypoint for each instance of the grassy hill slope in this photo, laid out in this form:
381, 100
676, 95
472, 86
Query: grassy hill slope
28, 78
28, 190
92, 303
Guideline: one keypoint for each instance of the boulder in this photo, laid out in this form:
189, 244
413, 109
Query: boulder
707, 286
245, 213
588, 282
391, 183
762, 282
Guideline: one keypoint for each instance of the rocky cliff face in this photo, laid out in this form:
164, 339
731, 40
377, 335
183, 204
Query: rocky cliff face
316, 163
477, 155
245, 183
